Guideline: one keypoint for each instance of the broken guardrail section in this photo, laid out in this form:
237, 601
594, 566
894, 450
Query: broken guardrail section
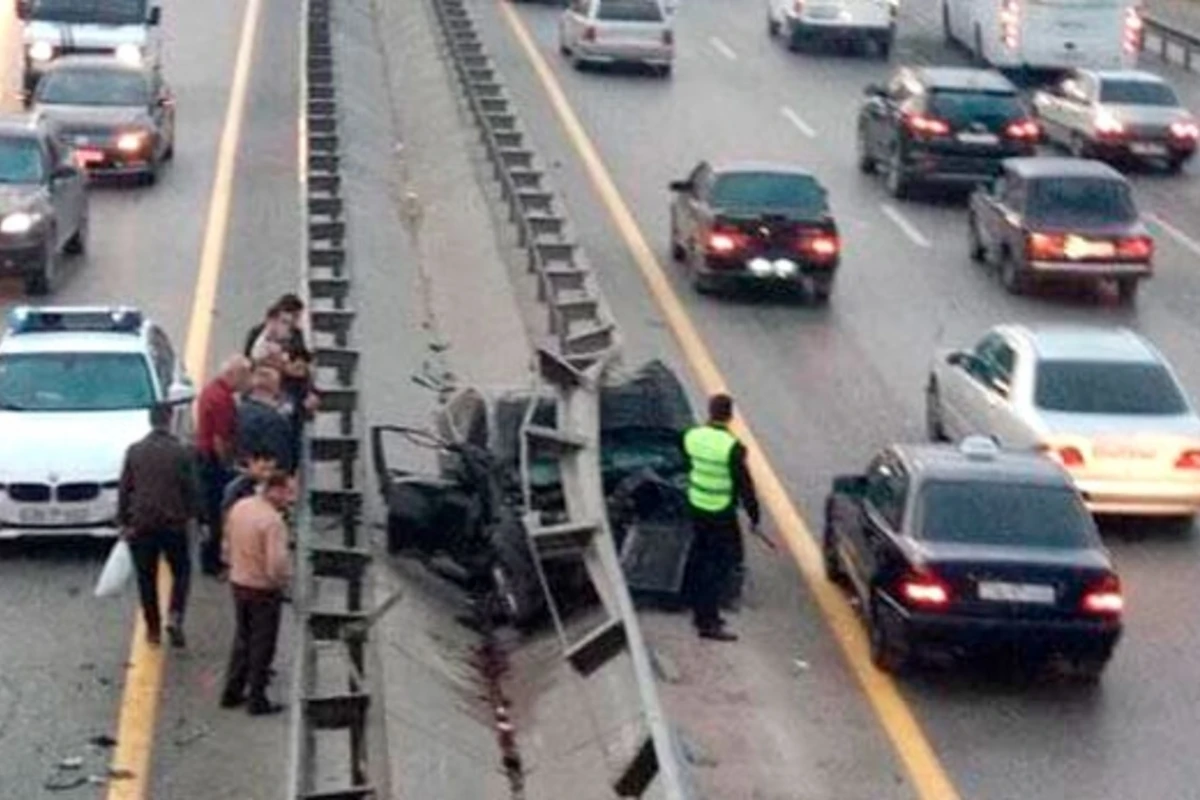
1171, 44
585, 344
330, 696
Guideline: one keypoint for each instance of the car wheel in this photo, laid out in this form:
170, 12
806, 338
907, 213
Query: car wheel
1127, 290
897, 182
866, 163
772, 26
678, 251
1012, 276
1089, 670
40, 281
935, 429
664, 71
887, 652
829, 556
77, 244
1175, 165
169, 153
150, 176
975, 246
883, 48
821, 291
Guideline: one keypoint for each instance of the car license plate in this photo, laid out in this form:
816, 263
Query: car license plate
1016, 592
1147, 149
978, 138
1078, 247
54, 515
85, 157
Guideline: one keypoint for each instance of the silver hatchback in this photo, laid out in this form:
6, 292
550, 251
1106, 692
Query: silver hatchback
1102, 402
618, 31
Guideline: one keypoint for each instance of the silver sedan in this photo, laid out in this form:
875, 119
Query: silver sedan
1118, 114
618, 31
1103, 403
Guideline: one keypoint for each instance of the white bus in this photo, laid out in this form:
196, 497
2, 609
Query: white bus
1047, 34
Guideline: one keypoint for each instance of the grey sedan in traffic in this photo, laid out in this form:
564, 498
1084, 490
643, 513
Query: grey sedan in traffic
1102, 402
1118, 113
618, 32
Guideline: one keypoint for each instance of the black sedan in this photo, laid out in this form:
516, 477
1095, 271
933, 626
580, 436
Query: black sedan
119, 118
970, 549
755, 223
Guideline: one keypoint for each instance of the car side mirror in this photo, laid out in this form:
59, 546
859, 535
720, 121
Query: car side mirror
958, 359
874, 90
165, 101
23, 9
680, 186
155, 16
182, 392
850, 485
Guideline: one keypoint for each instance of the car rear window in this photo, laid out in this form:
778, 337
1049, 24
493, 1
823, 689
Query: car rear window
21, 161
769, 190
110, 12
1106, 387
1137, 93
629, 11
961, 108
1074, 201
1004, 514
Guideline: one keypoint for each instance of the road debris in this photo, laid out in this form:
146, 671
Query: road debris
64, 783
194, 734
71, 762
103, 740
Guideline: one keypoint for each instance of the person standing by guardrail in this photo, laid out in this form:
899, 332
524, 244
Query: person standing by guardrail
216, 443
262, 421
718, 480
260, 569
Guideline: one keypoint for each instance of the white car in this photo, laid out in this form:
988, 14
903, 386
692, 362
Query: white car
861, 22
618, 32
1102, 402
76, 385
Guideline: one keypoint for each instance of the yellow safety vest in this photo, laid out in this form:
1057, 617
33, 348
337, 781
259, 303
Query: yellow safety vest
710, 481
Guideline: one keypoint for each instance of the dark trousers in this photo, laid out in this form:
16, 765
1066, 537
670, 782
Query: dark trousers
257, 629
147, 547
214, 476
716, 550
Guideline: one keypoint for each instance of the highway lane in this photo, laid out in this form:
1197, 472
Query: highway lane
64, 653
824, 387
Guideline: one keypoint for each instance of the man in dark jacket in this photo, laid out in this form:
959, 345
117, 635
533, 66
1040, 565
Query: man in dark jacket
718, 480
158, 498
262, 426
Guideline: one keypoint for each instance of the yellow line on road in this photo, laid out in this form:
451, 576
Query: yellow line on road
928, 776
143, 681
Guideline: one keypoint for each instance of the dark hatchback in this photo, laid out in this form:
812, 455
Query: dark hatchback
972, 550
755, 223
942, 125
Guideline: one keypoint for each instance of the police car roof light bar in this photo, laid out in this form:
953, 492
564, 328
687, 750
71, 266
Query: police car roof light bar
96, 319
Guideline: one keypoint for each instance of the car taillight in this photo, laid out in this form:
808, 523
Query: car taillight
822, 246
589, 33
1132, 39
1104, 597
1185, 130
1010, 23
1066, 456
1025, 129
725, 241
1188, 459
668, 37
924, 589
1045, 246
1108, 125
923, 125
1136, 248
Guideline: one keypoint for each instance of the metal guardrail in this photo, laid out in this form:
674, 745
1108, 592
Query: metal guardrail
1171, 44
330, 698
586, 344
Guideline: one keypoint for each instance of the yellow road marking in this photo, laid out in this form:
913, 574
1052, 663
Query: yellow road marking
928, 776
143, 682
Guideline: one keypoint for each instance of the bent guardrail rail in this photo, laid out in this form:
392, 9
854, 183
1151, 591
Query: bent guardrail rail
1171, 44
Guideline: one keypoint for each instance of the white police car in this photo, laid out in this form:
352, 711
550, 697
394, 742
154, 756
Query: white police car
76, 384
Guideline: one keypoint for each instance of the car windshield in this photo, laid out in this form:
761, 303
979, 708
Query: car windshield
1106, 387
629, 11
104, 12
74, 382
1080, 201
962, 108
100, 87
1004, 514
769, 190
1137, 93
21, 161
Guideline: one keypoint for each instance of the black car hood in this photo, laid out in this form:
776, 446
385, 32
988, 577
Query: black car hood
97, 117
21, 197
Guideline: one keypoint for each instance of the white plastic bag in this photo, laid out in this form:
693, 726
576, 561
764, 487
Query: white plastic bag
118, 569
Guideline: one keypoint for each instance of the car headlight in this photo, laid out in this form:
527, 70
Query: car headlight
41, 51
19, 222
130, 54
132, 142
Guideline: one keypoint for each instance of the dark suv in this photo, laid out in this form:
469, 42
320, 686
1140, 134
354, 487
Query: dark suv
43, 202
942, 125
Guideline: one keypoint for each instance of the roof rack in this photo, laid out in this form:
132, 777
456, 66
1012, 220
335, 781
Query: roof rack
62, 319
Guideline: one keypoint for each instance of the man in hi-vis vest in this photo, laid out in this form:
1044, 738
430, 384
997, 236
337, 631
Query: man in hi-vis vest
717, 481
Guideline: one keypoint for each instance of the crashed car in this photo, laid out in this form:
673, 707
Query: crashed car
468, 510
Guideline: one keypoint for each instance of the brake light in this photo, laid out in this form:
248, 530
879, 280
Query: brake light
1025, 129
1104, 597
668, 37
1188, 459
1010, 23
822, 246
1108, 125
1185, 130
1066, 456
1132, 40
1136, 248
725, 241
923, 125
589, 33
1045, 246
924, 589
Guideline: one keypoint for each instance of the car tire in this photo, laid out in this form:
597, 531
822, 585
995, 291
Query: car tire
975, 248
169, 153
77, 244
883, 48
1175, 165
1127, 290
887, 653
678, 251
1089, 671
829, 557
866, 162
40, 282
773, 26
665, 71
935, 429
796, 41
821, 292
1012, 276
897, 182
